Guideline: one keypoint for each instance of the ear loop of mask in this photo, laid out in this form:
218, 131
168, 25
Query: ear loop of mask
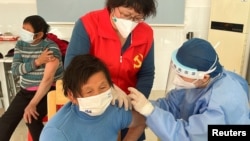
112, 15
211, 69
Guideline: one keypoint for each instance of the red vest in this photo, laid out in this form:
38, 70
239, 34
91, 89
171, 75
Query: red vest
105, 44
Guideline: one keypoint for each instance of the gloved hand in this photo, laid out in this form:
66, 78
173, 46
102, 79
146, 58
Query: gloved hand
122, 98
140, 102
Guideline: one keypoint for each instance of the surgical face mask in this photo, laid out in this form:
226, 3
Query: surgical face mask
27, 36
124, 26
182, 84
95, 105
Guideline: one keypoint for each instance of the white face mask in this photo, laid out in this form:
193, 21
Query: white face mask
182, 84
27, 36
124, 26
95, 105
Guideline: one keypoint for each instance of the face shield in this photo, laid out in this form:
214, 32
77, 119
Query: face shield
187, 71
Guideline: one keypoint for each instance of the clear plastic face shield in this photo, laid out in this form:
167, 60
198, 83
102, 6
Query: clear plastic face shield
190, 72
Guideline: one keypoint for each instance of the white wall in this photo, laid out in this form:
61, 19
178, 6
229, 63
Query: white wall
12, 14
167, 38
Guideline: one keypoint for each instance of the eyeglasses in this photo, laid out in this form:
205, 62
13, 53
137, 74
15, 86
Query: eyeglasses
129, 17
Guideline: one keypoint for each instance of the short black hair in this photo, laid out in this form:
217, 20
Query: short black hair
38, 24
81, 68
144, 7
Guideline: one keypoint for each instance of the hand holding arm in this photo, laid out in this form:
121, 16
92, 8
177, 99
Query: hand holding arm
45, 57
140, 102
121, 97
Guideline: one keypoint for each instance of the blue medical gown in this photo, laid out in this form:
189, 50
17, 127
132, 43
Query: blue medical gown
184, 115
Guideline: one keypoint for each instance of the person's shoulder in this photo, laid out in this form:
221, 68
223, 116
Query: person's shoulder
119, 111
60, 117
21, 43
120, 115
144, 27
143, 32
237, 77
233, 75
48, 41
228, 72
96, 11
93, 13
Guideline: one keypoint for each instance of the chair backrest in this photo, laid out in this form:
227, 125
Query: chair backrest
56, 99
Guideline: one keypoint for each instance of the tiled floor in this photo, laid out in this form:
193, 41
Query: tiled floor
20, 133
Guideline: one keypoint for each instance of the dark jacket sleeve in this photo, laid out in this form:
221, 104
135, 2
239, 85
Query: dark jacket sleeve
79, 43
146, 74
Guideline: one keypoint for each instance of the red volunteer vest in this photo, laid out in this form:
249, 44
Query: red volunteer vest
106, 45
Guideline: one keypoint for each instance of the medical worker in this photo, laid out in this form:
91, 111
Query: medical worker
205, 94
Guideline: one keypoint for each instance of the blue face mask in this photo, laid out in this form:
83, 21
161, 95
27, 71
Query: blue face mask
27, 36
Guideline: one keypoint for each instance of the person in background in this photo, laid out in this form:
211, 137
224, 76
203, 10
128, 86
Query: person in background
37, 61
205, 94
119, 36
89, 115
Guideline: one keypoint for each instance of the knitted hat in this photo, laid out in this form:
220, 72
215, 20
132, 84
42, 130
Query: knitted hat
199, 54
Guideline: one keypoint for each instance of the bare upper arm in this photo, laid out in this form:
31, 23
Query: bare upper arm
137, 119
50, 69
